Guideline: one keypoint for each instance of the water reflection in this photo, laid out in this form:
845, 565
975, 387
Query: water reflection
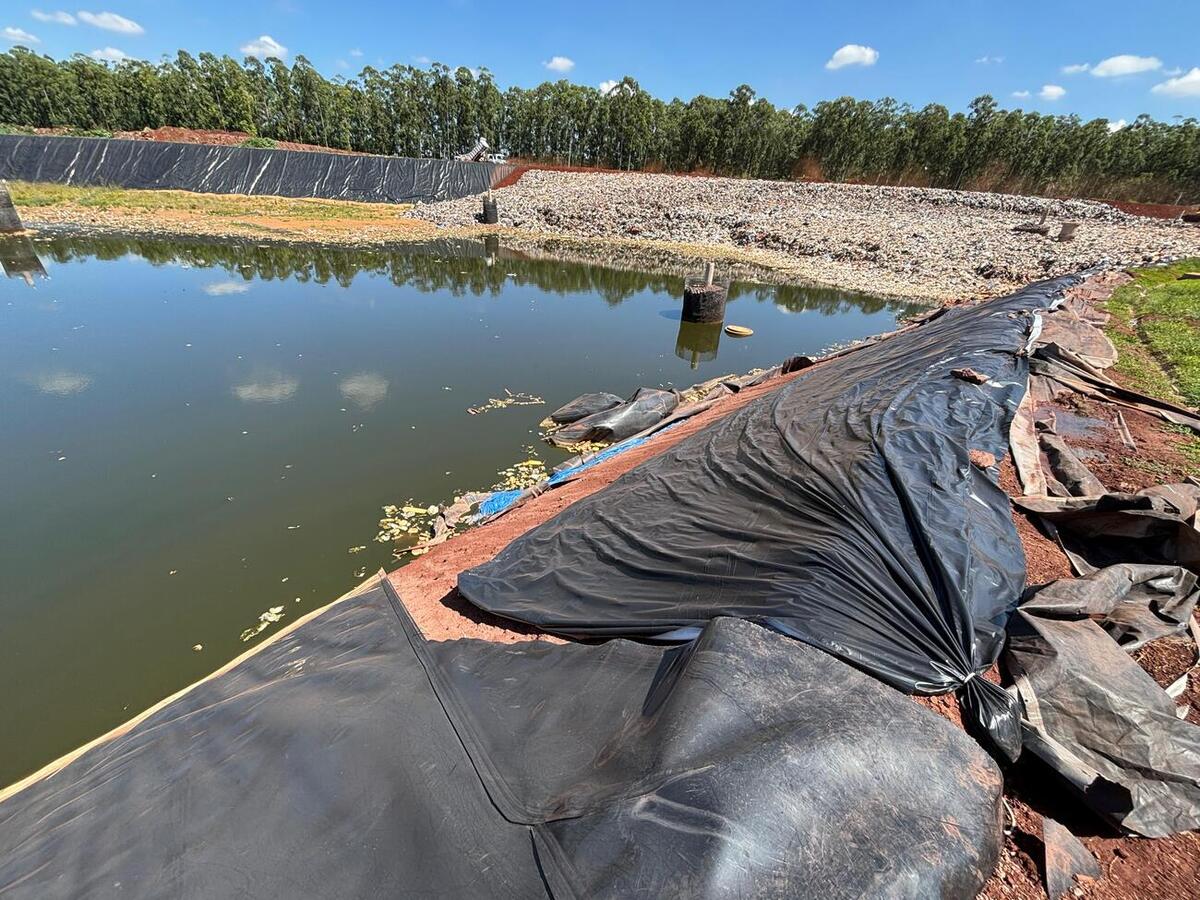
60, 383
19, 259
698, 342
365, 390
267, 387
223, 288
424, 266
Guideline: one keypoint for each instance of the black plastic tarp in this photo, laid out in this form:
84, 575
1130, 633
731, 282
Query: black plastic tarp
350, 758
1090, 712
646, 408
842, 510
241, 170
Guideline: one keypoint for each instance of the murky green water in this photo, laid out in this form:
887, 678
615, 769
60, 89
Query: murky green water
195, 433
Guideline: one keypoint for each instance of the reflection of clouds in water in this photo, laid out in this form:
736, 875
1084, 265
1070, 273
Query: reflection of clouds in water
271, 387
221, 288
364, 389
60, 384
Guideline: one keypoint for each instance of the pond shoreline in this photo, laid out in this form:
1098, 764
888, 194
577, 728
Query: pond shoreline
902, 243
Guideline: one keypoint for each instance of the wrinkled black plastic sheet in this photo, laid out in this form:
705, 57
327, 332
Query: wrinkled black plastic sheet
350, 758
842, 510
645, 409
241, 170
1111, 529
1095, 716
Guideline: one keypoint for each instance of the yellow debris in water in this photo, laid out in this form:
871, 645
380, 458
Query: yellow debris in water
738, 330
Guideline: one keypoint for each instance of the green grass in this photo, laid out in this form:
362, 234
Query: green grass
1155, 326
259, 143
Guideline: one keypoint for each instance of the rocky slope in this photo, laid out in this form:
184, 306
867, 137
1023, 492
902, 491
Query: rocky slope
928, 243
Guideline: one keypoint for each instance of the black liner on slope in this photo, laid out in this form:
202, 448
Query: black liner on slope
350, 758
164, 165
842, 510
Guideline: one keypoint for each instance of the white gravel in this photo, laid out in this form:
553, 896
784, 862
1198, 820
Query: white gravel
918, 242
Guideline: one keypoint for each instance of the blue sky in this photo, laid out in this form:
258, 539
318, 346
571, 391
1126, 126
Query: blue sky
1103, 58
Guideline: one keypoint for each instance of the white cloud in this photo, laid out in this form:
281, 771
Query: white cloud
55, 18
607, 86
1021, 95
110, 54
853, 55
1184, 86
990, 60
1076, 68
264, 46
1171, 73
1052, 92
559, 64
422, 60
1125, 64
19, 36
1114, 127
110, 21
356, 52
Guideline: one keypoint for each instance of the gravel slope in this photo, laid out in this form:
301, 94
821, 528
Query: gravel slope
917, 242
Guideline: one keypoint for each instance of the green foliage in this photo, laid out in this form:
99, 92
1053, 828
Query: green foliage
437, 112
260, 143
15, 129
1156, 327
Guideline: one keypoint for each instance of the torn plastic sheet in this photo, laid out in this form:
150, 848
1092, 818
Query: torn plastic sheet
351, 758
1145, 527
583, 406
841, 509
1053, 364
646, 408
1095, 716
161, 165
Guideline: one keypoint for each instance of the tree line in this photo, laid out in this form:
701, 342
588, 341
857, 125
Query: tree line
438, 111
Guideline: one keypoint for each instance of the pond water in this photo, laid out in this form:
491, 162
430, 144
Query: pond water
194, 433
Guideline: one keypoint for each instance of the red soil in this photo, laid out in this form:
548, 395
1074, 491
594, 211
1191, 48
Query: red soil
1153, 210
218, 138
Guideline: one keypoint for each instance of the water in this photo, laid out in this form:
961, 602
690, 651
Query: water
194, 433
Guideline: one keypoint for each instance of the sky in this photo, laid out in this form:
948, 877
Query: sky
1100, 59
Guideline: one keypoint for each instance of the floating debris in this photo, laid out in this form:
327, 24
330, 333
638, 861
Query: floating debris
197, 647
524, 474
405, 523
265, 621
510, 398
738, 331
358, 549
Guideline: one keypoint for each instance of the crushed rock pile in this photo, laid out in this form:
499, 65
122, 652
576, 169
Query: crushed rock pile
918, 242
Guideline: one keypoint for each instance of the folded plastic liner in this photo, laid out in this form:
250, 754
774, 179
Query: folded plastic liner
350, 757
842, 509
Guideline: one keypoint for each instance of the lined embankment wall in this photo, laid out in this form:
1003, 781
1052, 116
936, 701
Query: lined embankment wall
162, 165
